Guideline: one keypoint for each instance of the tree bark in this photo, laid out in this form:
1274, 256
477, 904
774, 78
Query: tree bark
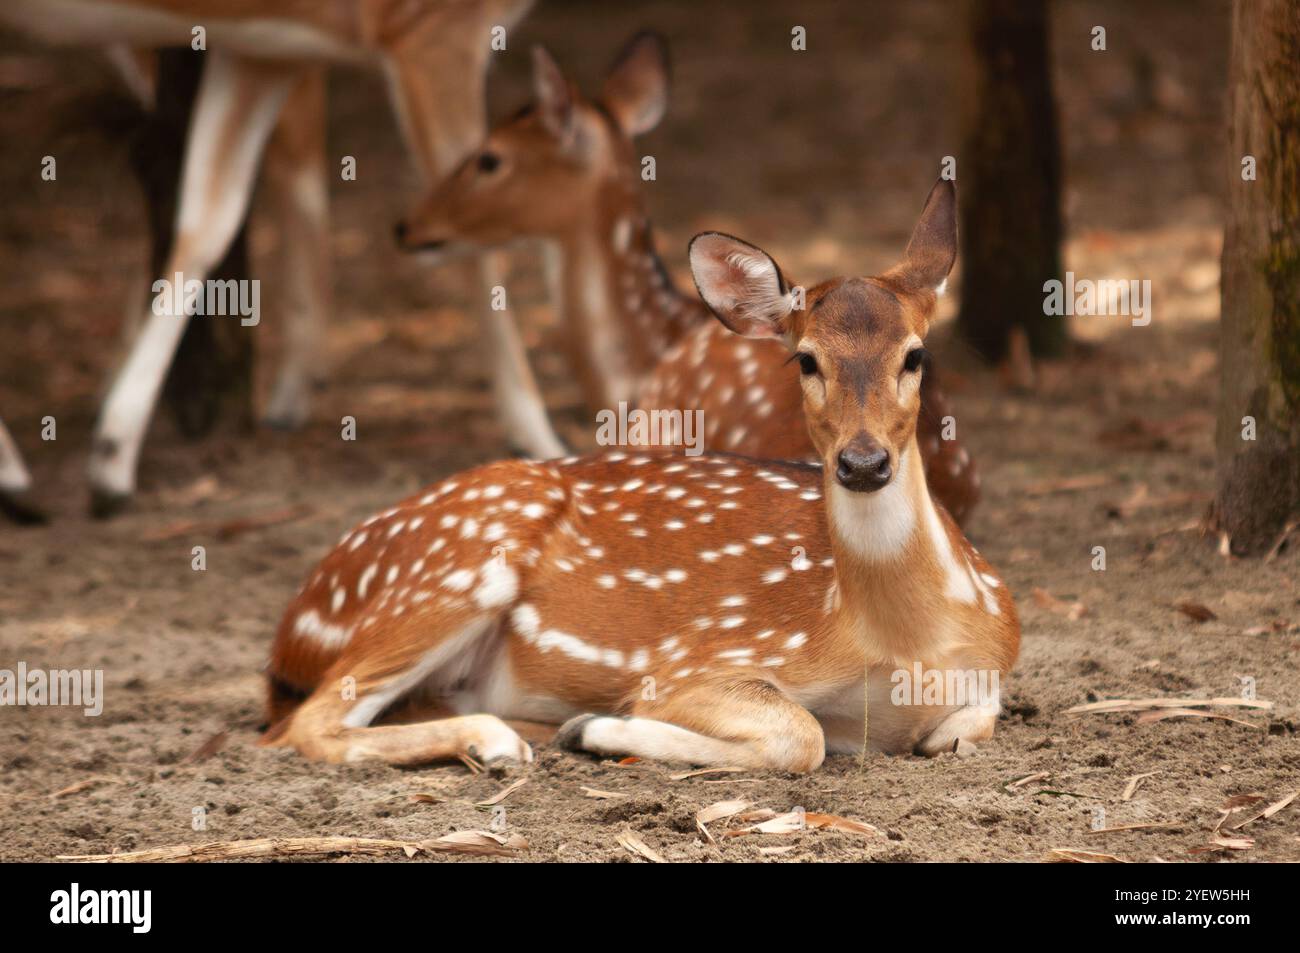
1259, 479
211, 377
1010, 181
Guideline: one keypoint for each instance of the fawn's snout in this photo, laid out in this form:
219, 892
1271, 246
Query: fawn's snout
408, 240
863, 466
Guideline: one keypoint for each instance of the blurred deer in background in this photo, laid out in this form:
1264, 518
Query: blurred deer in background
651, 598
565, 170
264, 67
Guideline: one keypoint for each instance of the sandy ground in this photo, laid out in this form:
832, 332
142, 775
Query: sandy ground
825, 160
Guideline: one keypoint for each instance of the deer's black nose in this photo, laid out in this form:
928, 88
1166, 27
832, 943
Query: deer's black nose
399, 232
863, 467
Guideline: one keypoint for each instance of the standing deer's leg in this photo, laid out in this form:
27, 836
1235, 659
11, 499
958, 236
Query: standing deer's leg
440, 99
15, 481
520, 406
739, 720
334, 725
295, 182
236, 107
14, 477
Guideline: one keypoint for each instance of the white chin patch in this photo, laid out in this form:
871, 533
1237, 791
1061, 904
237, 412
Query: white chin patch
941, 288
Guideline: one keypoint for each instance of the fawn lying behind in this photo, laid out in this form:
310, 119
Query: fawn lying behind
566, 171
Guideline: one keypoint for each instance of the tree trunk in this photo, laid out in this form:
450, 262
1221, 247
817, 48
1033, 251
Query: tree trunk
1010, 181
211, 377
1259, 479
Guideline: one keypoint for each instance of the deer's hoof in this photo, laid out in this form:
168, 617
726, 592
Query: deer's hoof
17, 508
569, 737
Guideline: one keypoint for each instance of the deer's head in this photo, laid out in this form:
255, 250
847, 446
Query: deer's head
857, 341
546, 171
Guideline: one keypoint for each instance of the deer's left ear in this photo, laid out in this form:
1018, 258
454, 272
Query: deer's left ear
636, 90
553, 94
933, 248
742, 285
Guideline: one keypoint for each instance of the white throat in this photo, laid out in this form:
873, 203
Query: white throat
877, 527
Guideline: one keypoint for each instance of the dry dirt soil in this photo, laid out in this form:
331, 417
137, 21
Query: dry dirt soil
824, 159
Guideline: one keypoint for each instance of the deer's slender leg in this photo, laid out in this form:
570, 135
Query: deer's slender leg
520, 406
295, 183
969, 723
333, 724
15, 481
741, 720
14, 477
441, 102
237, 105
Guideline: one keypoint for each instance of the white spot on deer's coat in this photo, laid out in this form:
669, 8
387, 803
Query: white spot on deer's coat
458, 581
498, 584
326, 634
367, 575
526, 620
576, 648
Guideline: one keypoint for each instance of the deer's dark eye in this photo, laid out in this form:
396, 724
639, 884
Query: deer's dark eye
488, 162
807, 363
914, 358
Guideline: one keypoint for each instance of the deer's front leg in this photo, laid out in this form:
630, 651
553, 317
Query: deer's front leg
739, 720
971, 723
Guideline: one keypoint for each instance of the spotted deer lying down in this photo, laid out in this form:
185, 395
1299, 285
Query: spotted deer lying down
566, 171
712, 609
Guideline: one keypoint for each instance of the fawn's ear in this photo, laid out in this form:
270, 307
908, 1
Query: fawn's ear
553, 94
636, 89
742, 285
933, 248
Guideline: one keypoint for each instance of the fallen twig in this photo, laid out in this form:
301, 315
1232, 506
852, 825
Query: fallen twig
461, 842
1145, 704
1134, 783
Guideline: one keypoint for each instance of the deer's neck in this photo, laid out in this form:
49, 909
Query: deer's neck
900, 576
615, 293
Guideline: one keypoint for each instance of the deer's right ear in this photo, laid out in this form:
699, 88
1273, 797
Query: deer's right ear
553, 94
636, 90
742, 285
933, 248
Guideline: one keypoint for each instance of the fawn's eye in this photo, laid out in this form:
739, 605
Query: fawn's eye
807, 363
488, 162
914, 358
